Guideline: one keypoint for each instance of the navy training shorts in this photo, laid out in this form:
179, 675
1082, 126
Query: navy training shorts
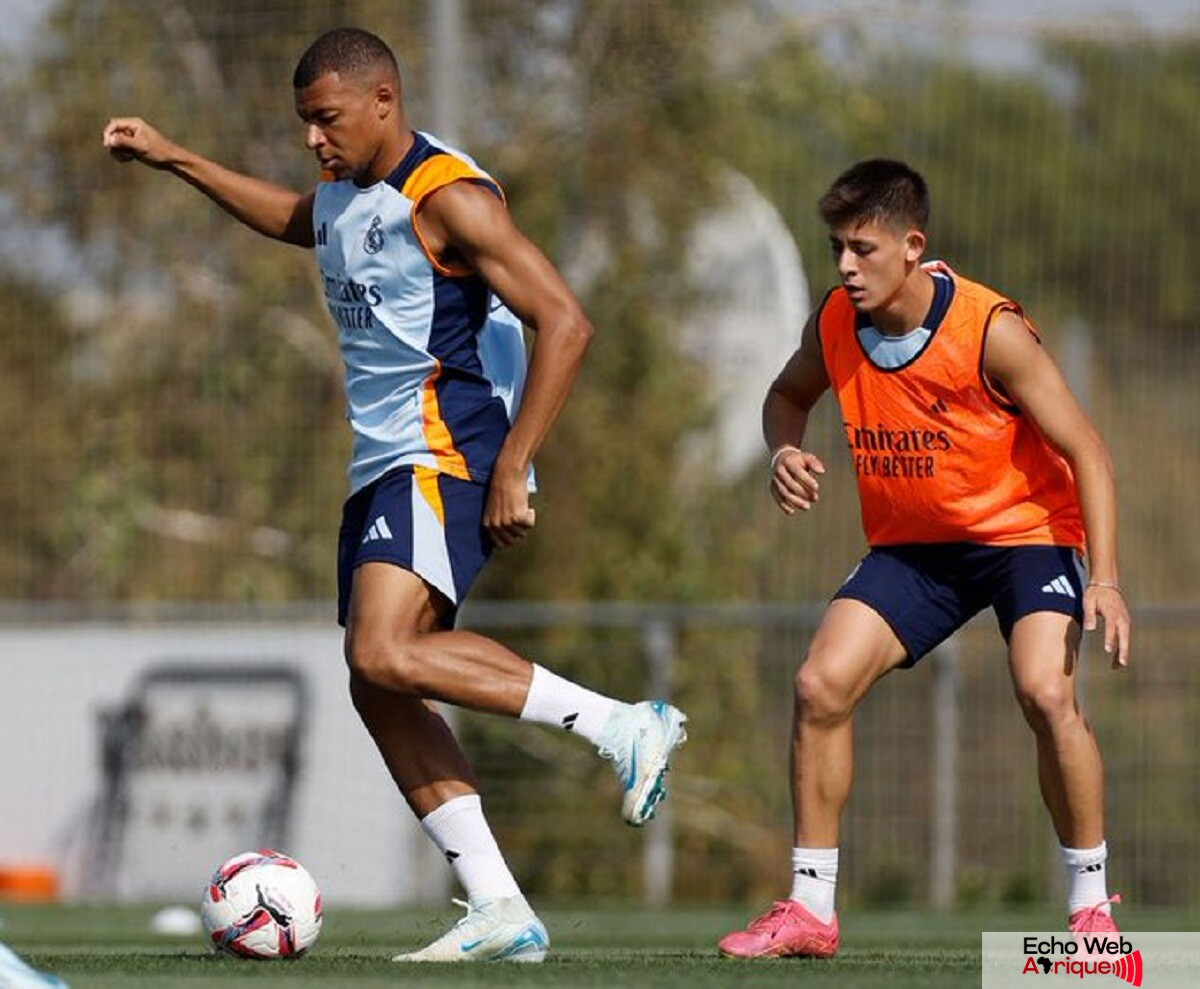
420, 520
926, 592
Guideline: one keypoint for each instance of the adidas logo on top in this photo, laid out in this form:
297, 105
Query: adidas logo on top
379, 530
1059, 585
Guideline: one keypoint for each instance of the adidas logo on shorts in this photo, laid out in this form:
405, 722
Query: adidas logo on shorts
379, 530
1059, 585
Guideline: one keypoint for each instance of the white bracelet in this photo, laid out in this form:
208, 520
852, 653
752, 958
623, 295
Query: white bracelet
786, 448
1111, 584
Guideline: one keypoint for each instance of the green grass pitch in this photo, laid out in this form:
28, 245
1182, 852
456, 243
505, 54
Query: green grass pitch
114, 948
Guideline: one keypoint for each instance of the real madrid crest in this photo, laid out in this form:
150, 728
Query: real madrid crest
373, 241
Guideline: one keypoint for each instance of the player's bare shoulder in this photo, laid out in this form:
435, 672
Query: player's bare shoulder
462, 217
804, 377
1011, 347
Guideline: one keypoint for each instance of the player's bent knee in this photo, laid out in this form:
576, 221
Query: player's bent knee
1049, 704
383, 663
820, 699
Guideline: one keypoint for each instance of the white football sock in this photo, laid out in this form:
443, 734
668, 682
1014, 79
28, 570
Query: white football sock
461, 833
555, 701
814, 880
1086, 882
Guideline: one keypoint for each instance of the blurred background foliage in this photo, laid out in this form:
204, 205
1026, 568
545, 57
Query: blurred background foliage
193, 446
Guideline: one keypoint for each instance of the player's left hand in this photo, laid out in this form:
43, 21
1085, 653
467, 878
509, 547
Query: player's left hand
129, 138
508, 516
1108, 604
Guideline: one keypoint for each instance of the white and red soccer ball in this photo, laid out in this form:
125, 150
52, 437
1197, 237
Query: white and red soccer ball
261, 905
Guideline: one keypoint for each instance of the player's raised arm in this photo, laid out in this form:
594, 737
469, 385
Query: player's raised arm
465, 223
270, 209
1015, 361
790, 398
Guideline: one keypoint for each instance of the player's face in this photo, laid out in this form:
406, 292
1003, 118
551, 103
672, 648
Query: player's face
874, 259
343, 125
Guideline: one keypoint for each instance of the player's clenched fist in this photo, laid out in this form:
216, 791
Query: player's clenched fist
131, 137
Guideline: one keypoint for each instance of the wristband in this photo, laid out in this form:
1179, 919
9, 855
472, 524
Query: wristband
1112, 585
786, 448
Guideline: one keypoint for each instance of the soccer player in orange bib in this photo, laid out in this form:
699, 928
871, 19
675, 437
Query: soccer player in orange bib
982, 483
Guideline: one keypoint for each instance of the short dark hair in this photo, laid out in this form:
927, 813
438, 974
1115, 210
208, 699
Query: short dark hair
877, 189
346, 51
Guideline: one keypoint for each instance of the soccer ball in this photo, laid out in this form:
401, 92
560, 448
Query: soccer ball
262, 905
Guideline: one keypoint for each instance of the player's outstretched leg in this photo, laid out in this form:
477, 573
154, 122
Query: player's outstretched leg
638, 739
787, 930
16, 974
500, 930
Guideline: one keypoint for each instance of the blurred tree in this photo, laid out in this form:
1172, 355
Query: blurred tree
1070, 188
211, 465
209, 376
611, 169
1131, 111
44, 419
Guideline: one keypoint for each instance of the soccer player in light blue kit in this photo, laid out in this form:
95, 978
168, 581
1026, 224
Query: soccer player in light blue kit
423, 272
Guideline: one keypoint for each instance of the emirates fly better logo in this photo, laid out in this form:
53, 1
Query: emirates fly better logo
1094, 954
